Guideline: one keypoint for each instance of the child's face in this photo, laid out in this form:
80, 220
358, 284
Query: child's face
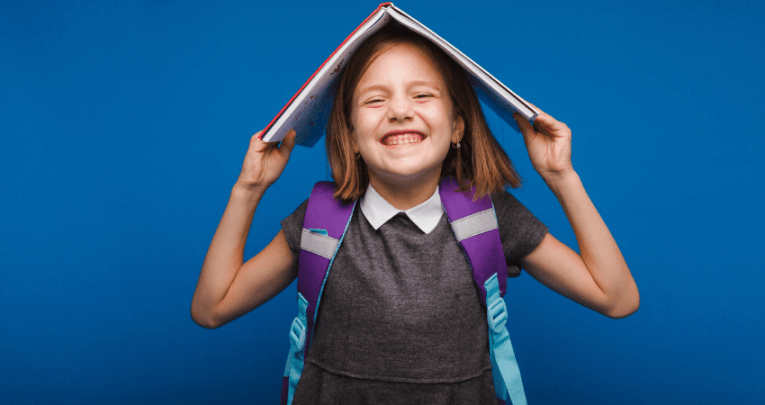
402, 117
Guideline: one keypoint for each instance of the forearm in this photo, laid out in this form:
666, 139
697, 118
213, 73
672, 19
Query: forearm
226, 252
597, 247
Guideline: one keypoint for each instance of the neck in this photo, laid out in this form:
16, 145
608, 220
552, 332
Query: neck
408, 192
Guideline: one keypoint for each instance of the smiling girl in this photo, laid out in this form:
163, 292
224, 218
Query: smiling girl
400, 318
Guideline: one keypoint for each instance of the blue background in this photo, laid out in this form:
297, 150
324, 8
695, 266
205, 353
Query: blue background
123, 126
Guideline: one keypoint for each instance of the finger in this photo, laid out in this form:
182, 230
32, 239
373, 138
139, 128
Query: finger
525, 126
259, 145
545, 123
544, 120
288, 143
255, 139
540, 113
549, 125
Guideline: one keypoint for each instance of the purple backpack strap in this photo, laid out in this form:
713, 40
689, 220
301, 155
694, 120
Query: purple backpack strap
324, 226
475, 226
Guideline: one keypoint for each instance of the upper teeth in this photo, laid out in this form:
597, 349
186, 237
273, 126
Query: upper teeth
403, 138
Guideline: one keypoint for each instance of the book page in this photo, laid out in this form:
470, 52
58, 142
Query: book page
309, 111
496, 94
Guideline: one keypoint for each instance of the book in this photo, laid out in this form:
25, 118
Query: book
308, 110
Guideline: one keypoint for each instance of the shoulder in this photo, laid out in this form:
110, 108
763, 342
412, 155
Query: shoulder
293, 225
505, 201
519, 229
508, 208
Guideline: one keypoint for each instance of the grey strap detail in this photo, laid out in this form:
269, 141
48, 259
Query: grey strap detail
474, 224
319, 244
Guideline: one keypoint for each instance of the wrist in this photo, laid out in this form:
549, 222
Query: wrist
247, 192
559, 180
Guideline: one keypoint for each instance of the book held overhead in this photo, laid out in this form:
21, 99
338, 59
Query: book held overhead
308, 110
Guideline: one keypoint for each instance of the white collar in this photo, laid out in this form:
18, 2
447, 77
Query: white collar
378, 211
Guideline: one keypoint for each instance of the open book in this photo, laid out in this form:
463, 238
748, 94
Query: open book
308, 110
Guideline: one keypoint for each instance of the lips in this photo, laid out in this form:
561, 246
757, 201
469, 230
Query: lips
402, 137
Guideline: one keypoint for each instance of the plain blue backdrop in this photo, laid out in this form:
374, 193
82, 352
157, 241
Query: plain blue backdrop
123, 126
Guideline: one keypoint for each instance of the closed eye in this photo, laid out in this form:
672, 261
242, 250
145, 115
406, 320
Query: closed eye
373, 101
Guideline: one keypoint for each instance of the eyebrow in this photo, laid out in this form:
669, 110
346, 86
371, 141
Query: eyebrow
425, 83
411, 84
371, 88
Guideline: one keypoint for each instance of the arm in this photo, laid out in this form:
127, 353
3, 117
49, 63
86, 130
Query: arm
227, 288
598, 277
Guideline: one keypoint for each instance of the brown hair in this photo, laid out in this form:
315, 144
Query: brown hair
479, 162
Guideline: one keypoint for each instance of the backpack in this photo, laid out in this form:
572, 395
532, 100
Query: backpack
475, 227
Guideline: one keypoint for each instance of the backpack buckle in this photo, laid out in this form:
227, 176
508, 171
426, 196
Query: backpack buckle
297, 334
497, 315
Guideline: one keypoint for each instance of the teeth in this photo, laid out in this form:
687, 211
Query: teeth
402, 139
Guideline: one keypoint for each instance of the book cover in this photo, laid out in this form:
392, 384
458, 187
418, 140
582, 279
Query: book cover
308, 110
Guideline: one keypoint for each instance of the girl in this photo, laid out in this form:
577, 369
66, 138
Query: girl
400, 318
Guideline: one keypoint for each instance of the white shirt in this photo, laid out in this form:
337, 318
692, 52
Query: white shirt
378, 211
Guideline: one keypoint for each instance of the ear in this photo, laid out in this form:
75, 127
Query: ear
458, 129
354, 144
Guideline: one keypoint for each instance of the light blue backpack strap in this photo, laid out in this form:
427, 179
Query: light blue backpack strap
507, 375
295, 359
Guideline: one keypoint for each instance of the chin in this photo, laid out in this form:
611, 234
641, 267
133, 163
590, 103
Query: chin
406, 174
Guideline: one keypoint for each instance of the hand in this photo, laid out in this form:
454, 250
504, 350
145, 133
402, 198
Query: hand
548, 142
265, 161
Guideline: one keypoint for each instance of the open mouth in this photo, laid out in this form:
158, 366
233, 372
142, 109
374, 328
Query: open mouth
402, 137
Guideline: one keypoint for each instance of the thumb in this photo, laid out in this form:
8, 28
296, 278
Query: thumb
288, 143
258, 145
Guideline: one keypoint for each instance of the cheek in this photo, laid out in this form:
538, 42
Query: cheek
365, 126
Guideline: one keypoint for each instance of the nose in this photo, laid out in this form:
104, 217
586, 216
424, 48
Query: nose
400, 109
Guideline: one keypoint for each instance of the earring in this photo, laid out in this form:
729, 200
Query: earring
458, 145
